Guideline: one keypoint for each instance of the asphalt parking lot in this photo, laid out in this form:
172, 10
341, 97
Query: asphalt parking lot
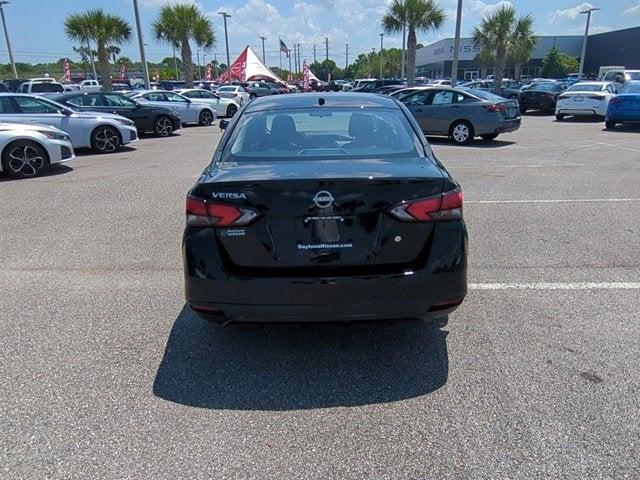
104, 373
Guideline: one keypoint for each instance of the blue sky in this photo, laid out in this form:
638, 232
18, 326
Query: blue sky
37, 34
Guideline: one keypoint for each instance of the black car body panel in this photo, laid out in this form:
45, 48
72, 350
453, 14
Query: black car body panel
323, 243
144, 116
542, 96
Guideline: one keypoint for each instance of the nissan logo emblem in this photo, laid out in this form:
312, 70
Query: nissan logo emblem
323, 199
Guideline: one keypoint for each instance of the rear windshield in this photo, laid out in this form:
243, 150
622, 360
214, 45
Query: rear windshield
546, 87
631, 88
581, 87
483, 95
308, 134
46, 87
227, 89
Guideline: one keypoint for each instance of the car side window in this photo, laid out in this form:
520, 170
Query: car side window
207, 95
117, 101
6, 105
86, 101
418, 98
191, 94
172, 97
155, 97
619, 78
31, 105
443, 97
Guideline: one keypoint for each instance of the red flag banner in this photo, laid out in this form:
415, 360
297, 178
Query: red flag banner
123, 72
208, 72
66, 68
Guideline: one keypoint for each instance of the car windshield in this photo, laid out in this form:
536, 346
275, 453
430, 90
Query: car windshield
631, 87
46, 87
308, 134
581, 87
483, 95
227, 89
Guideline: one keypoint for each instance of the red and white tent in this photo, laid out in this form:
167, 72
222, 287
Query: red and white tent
249, 67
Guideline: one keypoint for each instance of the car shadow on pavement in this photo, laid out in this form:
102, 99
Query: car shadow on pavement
477, 143
293, 366
83, 152
50, 171
625, 128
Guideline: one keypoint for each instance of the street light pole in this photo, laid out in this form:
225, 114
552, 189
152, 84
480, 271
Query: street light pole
225, 15
263, 57
143, 58
404, 55
586, 37
175, 63
198, 60
381, 53
6, 34
456, 46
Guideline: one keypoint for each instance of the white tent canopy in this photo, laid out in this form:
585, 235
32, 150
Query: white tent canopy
248, 66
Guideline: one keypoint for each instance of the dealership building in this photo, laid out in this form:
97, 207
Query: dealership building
620, 47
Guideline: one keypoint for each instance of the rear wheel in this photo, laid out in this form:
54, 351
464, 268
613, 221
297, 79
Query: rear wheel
105, 139
163, 127
231, 110
489, 138
461, 132
559, 117
206, 118
24, 159
610, 124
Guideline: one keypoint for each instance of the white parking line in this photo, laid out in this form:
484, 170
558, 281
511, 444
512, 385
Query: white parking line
540, 165
614, 146
568, 200
557, 286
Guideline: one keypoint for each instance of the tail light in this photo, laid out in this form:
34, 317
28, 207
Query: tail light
201, 213
439, 208
564, 97
496, 108
550, 96
596, 97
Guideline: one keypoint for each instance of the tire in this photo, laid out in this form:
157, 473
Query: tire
559, 117
489, 138
163, 126
461, 132
523, 109
24, 159
206, 117
231, 110
105, 139
610, 124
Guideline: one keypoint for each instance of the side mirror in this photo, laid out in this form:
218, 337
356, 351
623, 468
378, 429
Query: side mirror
66, 112
223, 124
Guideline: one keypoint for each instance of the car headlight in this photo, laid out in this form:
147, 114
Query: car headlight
127, 122
54, 135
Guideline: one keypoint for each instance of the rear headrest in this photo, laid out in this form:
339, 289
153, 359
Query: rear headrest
361, 125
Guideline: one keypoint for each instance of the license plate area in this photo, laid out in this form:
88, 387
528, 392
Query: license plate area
324, 232
578, 99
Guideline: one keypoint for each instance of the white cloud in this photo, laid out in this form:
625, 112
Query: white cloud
633, 11
593, 28
484, 9
160, 3
570, 13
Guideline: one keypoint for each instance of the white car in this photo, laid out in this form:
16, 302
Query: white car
102, 132
189, 111
585, 99
89, 86
225, 107
41, 86
234, 91
29, 148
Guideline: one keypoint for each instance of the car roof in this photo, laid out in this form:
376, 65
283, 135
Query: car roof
590, 83
314, 99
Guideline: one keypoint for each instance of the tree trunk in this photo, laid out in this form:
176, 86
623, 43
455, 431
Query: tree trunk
103, 65
186, 63
516, 71
411, 56
501, 61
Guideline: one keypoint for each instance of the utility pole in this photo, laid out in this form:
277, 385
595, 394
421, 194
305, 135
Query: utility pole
586, 38
215, 65
198, 60
326, 48
381, 53
295, 58
404, 54
6, 34
346, 56
280, 51
143, 58
263, 57
299, 60
225, 15
456, 46
314, 53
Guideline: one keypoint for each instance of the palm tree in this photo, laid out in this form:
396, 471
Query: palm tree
485, 59
180, 23
104, 29
421, 15
523, 43
498, 34
113, 50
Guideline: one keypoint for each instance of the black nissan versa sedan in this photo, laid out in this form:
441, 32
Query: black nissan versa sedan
324, 206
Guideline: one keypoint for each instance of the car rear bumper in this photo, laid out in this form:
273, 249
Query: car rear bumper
624, 118
432, 291
508, 126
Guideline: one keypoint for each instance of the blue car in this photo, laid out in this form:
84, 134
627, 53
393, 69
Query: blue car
625, 107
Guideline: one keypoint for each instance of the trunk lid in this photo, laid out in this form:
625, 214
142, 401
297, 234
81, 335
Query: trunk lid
322, 216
